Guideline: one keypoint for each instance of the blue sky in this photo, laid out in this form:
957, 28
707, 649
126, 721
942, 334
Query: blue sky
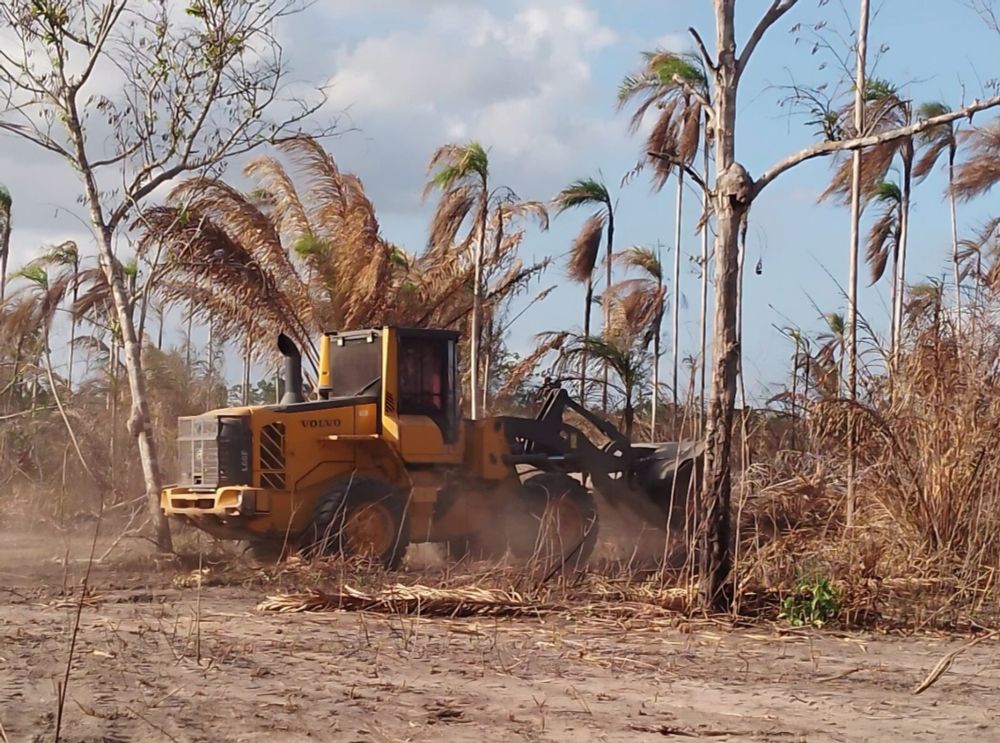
535, 82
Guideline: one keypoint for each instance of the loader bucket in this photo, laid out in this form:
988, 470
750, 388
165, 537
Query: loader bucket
669, 475
660, 486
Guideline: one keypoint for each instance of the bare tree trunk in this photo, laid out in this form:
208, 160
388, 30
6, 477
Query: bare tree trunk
486, 366
6, 211
607, 293
586, 334
210, 370
893, 291
733, 193
245, 392
793, 402
676, 309
73, 322
187, 340
655, 397
904, 229
852, 297
703, 321
956, 265
739, 317
113, 406
476, 306
140, 422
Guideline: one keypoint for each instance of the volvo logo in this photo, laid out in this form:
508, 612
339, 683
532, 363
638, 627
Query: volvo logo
319, 423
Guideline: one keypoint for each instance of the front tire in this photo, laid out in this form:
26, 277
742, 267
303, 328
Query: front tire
558, 523
362, 517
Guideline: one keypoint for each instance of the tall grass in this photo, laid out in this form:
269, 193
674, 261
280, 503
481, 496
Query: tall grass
925, 547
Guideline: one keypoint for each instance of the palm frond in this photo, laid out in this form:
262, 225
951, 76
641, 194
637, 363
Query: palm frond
289, 214
586, 247
581, 192
643, 259
981, 169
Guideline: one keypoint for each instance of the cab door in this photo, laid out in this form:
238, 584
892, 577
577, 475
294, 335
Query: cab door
424, 404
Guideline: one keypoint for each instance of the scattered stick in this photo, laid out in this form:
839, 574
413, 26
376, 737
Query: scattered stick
842, 674
945, 663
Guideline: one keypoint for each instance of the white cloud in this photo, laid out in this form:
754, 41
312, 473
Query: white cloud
674, 42
519, 79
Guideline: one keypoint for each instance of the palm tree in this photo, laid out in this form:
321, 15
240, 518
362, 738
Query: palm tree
986, 244
5, 225
589, 192
935, 142
625, 360
828, 365
674, 83
302, 253
42, 294
884, 109
981, 169
461, 173
66, 258
582, 261
646, 294
977, 175
276, 259
884, 241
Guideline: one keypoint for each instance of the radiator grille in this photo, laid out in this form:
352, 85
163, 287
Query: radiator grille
198, 450
272, 456
213, 451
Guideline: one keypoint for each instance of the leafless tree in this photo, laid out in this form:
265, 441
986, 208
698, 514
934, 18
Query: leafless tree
132, 94
733, 193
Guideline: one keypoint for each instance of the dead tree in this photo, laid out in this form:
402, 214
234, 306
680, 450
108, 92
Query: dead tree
732, 196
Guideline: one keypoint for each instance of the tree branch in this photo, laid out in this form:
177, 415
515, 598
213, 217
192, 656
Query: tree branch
706, 57
872, 140
695, 175
690, 90
33, 135
773, 15
108, 21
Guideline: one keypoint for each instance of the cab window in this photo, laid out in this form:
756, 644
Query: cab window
422, 377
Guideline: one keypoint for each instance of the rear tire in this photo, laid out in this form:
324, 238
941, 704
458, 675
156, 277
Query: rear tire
557, 523
361, 517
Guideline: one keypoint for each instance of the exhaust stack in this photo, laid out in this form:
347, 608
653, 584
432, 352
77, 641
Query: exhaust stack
293, 370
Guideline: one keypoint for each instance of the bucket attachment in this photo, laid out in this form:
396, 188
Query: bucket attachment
669, 475
656, 482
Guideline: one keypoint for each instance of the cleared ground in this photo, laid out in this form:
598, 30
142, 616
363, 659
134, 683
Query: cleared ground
155, 662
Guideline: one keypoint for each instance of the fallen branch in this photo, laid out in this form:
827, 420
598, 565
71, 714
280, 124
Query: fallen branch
422, 600
596, 600
945, 663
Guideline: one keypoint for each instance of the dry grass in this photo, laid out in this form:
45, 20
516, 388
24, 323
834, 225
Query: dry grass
924, 550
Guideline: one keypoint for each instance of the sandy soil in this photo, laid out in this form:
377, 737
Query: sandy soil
159, 663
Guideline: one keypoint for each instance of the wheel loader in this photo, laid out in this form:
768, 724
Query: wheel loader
383, 458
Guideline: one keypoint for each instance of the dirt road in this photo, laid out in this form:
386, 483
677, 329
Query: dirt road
159, 663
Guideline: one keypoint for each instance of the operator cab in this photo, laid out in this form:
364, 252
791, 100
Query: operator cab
413, 373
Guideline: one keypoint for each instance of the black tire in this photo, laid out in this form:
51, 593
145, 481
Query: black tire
346, 507
541, 529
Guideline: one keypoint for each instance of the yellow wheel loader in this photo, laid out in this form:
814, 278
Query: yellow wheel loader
383, 459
